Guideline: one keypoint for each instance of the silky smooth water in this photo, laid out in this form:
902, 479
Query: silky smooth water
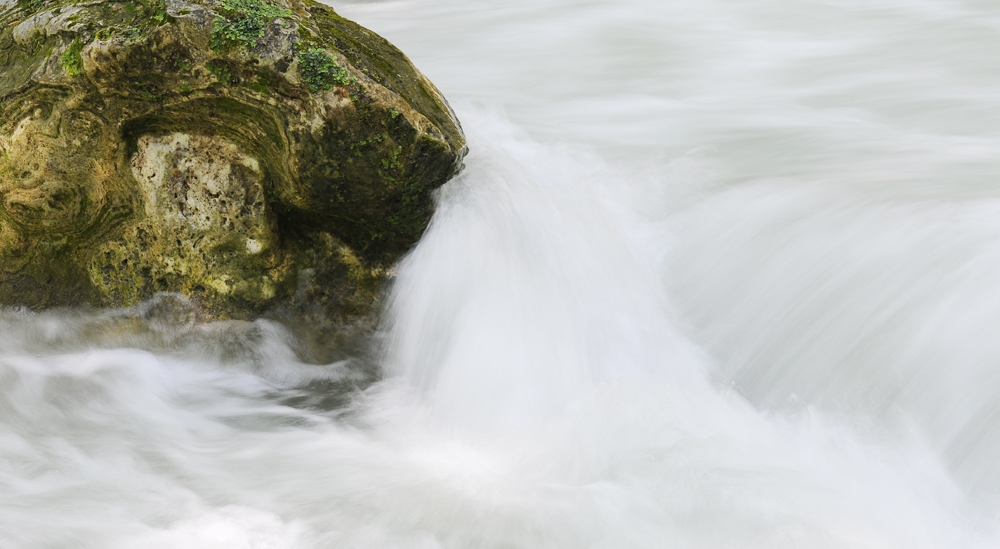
717, 274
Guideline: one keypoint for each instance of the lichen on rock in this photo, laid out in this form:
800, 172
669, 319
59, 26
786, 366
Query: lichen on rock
255, 155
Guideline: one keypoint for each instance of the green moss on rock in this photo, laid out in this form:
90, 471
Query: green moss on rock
71, 59
321, 71
241, 23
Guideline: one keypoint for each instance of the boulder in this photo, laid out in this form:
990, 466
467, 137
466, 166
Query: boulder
253, 155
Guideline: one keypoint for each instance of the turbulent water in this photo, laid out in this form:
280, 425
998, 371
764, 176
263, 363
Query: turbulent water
717, 274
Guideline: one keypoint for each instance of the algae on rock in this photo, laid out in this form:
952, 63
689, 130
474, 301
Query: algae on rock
254, 155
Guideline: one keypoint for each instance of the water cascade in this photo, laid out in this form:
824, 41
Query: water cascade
716, 274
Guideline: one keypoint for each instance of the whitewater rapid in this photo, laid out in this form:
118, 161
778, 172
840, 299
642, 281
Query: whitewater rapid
717, 274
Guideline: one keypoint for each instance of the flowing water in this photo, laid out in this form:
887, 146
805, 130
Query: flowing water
718, 274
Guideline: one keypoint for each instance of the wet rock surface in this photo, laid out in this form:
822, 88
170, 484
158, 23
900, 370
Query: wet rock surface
257, 157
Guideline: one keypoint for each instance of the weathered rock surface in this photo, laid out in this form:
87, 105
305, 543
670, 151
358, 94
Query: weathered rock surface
255, 156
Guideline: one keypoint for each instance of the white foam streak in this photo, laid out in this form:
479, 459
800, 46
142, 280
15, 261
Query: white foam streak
525, 292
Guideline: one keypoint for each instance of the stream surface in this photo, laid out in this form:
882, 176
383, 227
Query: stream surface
717, 274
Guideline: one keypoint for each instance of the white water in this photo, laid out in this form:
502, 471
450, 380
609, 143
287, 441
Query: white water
717, 274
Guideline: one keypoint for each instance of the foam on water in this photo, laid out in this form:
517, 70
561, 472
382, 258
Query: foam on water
716, 275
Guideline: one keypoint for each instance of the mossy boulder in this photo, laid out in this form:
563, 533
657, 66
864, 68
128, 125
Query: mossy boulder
255, 155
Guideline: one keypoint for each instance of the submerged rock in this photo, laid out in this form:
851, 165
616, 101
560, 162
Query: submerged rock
253, 155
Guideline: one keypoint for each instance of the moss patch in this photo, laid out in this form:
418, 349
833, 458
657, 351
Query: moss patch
131, 21
242, 23
320, 70
71, 60
30, 6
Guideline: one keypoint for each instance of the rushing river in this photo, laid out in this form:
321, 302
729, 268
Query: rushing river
718, 274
